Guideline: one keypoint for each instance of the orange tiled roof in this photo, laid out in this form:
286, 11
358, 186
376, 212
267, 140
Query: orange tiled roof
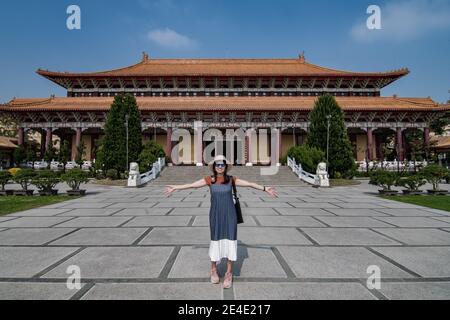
6, 143
225, 104
441, 142
223, 67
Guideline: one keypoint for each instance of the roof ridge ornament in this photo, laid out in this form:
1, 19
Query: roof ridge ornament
145, 57
302, 57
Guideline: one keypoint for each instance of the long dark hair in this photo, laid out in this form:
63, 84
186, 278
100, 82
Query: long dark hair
227, 178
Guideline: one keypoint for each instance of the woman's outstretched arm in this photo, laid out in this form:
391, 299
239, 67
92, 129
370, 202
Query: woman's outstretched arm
242, 183
199, 184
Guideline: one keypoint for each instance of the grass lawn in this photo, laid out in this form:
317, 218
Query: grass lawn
16, 204
435, 202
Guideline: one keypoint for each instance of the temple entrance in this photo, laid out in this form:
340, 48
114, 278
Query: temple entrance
232, 147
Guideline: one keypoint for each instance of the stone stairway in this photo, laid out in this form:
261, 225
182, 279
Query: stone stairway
187, 174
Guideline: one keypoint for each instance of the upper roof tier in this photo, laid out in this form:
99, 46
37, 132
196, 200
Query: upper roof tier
223, 68
190, 104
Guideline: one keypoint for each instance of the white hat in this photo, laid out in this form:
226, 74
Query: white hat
218, 159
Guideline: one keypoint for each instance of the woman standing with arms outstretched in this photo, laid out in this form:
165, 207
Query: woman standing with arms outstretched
222, 216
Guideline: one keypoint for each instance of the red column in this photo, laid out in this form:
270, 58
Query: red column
43, 144
21, 137
370, 144
169, 142
78, 138
48, 140
426, 136
399, 142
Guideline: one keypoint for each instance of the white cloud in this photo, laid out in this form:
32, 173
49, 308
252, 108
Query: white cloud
171, 39
406, 20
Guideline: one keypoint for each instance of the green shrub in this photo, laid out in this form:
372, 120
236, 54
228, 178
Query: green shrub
5, 177
74, 178
149, 155
45, 180
308, 157
384, 179
112, 174
412, 182
24, 177
434, 174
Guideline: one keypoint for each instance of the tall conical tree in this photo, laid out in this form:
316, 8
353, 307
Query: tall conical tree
340, 150
114, 143
134, 128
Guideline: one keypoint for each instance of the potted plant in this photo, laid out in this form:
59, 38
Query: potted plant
24, 177
434, 174
412, 184
74, 178
384, 179
46, 181
5, 177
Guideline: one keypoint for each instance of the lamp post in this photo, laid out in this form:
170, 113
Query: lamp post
328, 138
127, 117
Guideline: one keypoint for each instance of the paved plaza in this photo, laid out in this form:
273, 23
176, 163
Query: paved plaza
306, 244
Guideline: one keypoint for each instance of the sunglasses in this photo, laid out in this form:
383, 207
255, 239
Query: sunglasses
220, 165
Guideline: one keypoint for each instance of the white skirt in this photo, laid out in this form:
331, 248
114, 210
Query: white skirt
223, 249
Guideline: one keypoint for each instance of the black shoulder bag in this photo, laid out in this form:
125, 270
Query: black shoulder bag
237, 204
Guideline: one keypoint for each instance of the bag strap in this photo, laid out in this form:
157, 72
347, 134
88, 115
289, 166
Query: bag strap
234, 188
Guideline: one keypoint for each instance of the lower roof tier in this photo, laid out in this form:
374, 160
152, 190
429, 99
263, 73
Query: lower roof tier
195, 104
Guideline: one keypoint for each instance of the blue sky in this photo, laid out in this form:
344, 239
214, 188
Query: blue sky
415, 34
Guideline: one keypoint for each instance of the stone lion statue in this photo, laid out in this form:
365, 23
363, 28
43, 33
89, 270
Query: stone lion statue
322, 175
134, 176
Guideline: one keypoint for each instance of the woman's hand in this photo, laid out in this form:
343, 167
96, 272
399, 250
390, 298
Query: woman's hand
272, 192
169, 190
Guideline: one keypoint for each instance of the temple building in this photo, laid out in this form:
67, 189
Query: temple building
250, 94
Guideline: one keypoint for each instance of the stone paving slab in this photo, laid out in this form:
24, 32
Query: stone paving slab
194, 262
259, 212
301, 291
416, 290
41, 212
445, 219
253, 204
27, 262
94, 222
143, 212
180, 236
89, 213
271, 236
33, 222
357, 212
101, 236
35, 291
354, 222
319, 262
189, 211
159, 221
155, 291
7, 218
116, 263
426, 261
409, 213
123, 205
32, 237
89, 205
418, 236
360, 205
312, 205
289, 221
414, 222
348, 237
304, 212
178, 205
